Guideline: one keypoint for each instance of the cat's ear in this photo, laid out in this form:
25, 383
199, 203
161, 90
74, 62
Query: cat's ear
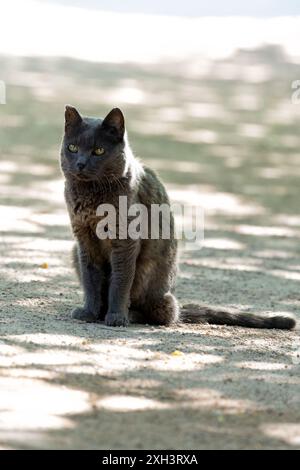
72, 117
114, 124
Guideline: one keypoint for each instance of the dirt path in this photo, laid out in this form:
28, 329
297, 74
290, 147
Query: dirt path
64, 384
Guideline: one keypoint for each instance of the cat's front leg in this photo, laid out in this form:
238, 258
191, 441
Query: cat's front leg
123, 263
91, 278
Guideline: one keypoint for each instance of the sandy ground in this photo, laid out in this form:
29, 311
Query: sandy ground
69, 385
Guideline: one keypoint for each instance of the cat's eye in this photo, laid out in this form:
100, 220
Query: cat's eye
73, 148
98, 151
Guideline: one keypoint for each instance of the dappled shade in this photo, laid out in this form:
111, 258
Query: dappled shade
226, 137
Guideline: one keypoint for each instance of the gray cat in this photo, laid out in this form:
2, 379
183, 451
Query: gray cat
125, 279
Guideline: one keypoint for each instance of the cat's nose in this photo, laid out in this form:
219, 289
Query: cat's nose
80, 166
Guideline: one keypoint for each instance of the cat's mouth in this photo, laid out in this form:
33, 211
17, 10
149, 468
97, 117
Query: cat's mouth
82, 177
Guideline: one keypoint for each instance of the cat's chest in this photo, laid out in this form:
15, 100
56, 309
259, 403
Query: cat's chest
84, 220
83, 212
85, 207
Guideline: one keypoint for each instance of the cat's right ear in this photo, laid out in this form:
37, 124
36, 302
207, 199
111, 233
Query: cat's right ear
72, 117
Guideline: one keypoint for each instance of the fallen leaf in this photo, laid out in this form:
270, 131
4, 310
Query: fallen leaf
177, 353
44, 265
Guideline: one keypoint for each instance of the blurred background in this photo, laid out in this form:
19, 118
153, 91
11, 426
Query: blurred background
206, 88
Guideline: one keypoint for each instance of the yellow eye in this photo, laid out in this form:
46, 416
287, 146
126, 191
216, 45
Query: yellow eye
73, 148
99, 151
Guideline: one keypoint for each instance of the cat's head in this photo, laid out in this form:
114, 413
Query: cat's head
93, 149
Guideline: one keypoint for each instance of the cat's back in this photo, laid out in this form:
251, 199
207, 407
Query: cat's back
151, 189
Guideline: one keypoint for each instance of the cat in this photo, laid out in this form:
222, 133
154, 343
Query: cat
125, 280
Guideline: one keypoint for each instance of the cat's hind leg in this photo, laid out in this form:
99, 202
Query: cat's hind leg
161, 310
158, 310
151, 293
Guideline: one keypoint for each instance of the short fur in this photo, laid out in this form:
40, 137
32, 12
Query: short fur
125, 279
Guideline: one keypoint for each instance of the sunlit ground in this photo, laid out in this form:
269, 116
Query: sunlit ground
227, 137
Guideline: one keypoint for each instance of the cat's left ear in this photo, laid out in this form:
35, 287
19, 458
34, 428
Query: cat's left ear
114, 124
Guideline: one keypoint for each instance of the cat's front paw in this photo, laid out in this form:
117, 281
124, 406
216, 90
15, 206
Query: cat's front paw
83, 315
116, 319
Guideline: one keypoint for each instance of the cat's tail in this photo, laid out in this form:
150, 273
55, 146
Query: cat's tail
194, 313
